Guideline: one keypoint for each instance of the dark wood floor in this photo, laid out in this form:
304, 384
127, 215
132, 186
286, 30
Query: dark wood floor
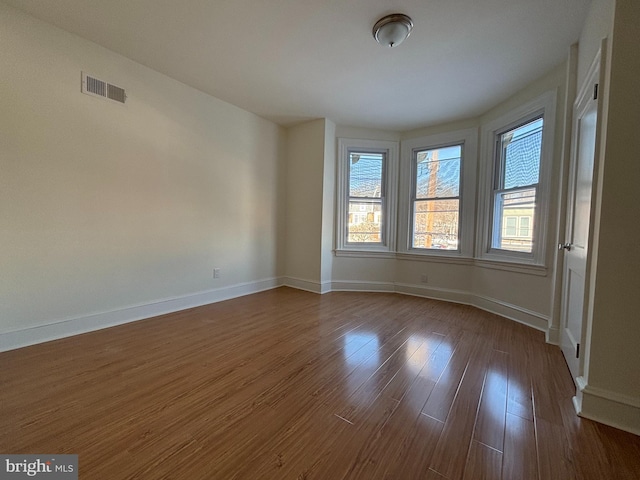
291, 385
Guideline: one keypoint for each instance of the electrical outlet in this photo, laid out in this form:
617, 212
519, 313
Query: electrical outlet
216, 273
424, 278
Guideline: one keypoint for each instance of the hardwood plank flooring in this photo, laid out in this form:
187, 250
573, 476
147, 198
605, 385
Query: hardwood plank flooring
288, 384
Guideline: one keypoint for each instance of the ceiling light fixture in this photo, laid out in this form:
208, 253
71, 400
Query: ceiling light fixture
392, 30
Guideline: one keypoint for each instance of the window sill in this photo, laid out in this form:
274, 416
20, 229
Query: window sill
512, 266
364, 253
454, 259
508, 266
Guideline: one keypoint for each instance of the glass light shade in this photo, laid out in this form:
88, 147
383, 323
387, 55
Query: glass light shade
392, 30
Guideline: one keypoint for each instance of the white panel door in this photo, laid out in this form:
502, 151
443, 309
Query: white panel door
579, 201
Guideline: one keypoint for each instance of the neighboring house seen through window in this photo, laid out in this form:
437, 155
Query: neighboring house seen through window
366, 196
518, 152
517, 163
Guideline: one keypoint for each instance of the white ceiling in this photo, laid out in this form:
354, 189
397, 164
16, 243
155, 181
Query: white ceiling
291, 60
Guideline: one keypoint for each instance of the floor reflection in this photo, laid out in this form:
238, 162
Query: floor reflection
435, 366
427, 358
495, 394
362, 348
417, 351
362, 355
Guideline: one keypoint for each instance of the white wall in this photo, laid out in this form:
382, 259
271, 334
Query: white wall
343, 131
328, 203
310, 205
305, 173
610, 387
106, 206
598, 25
531, 292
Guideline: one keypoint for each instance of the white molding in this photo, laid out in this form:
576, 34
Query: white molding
98, 321
359, 286
307, 285
607, 394
426, 257
604, 406
364, 254
511, 266
507, 266
552, 335
581, 383
325, 287
435, 293
512, 312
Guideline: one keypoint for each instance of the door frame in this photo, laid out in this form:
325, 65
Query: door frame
595, 74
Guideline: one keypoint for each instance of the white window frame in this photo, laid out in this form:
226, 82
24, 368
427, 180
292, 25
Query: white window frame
543, 106
468, 139
389, 204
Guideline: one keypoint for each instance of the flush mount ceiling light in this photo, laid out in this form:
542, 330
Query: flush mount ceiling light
392, 30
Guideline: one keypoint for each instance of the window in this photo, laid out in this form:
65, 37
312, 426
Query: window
438, 190
517, 174
366, 196
510, 226
517, 163
516, 227
524, 228
436, 198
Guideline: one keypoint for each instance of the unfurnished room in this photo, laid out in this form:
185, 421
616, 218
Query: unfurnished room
309, 239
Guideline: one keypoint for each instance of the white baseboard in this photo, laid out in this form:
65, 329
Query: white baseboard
435, 293
553, 335
307, 285
492, 305
358, 286
512, 312
611, 408
98, 321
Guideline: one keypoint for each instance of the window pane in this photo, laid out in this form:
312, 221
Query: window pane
438, 172
435, 224
365, 174
509, 206
510, 226
525, 230
365, 222
521, 149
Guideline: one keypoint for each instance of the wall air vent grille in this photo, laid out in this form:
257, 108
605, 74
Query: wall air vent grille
116, 93
99, 88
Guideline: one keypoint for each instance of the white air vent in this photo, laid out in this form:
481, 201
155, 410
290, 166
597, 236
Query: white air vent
99, 88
